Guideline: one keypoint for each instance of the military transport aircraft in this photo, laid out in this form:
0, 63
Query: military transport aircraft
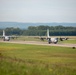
52, 39
6, 38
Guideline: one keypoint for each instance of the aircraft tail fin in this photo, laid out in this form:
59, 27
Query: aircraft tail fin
3, 33
48, 33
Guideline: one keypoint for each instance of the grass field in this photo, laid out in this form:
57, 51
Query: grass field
68, 41
23, 59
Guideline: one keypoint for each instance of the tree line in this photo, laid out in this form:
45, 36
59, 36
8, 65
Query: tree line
41, 31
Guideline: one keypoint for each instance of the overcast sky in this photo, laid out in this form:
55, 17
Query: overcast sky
38, 10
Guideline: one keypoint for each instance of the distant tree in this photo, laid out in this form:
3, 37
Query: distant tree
41, 31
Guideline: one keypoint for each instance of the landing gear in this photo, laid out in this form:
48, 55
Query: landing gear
55, 42
49, 40
3, 39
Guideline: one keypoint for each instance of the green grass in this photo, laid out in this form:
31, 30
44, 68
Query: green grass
23, 59
27, 38
69, 41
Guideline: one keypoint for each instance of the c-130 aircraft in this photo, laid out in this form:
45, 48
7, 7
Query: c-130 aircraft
6, 38
52, 39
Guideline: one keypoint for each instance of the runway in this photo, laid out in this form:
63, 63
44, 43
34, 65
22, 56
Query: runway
40, 43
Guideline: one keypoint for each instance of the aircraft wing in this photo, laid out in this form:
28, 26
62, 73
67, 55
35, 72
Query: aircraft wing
1, 36
62, 39
13, 37
42, 38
